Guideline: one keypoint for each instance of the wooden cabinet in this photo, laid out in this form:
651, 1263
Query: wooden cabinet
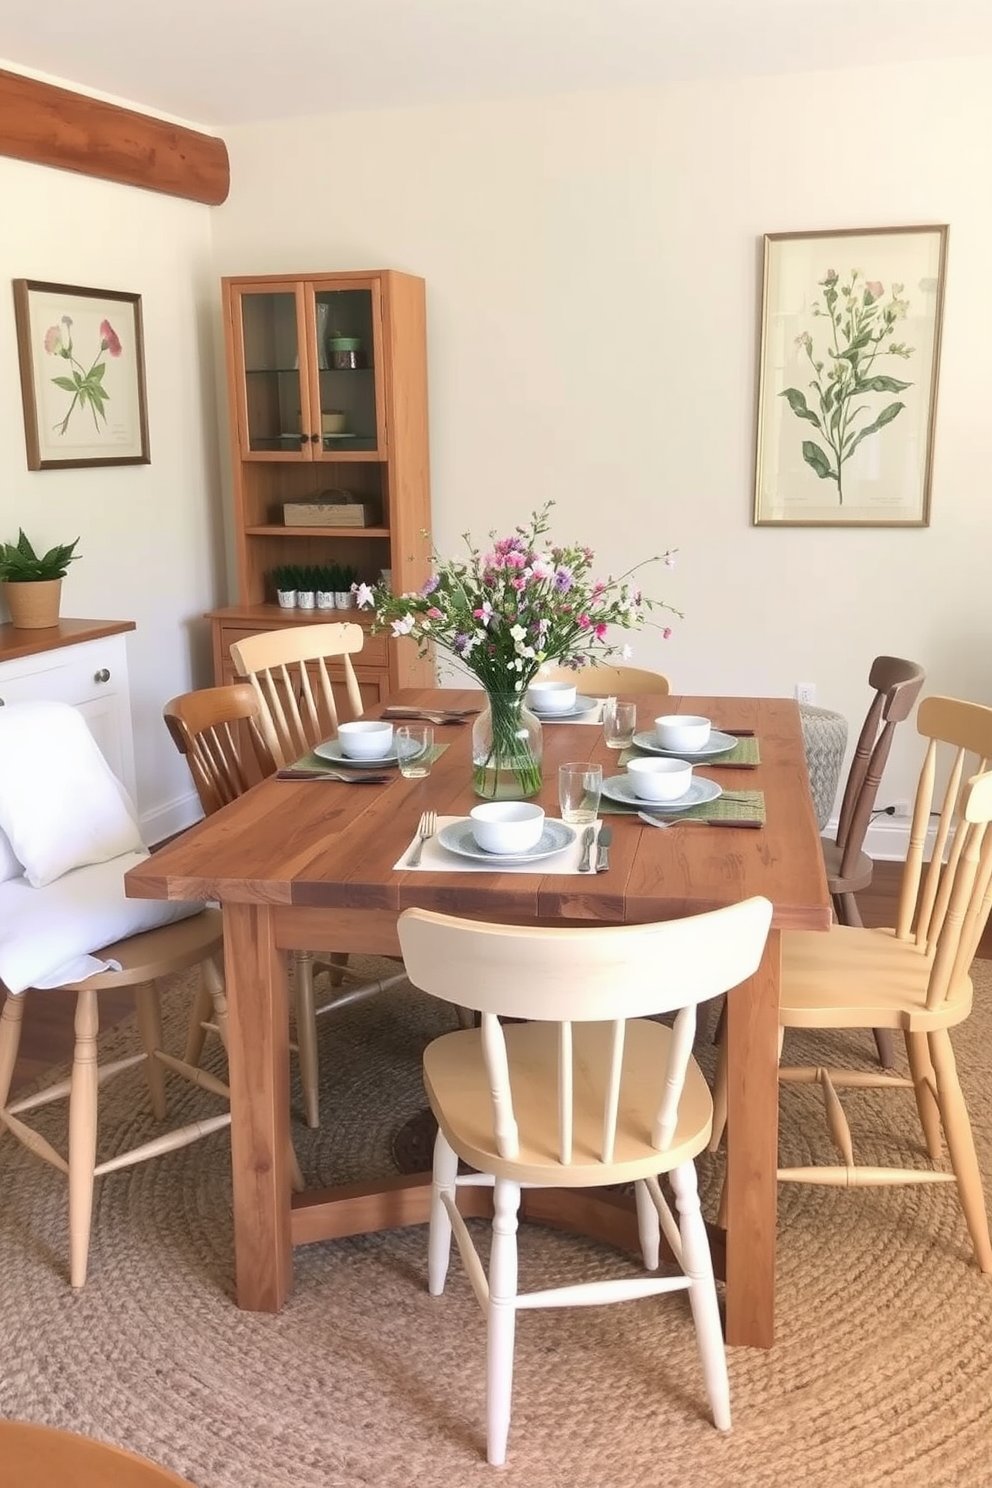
327, 387
83, 663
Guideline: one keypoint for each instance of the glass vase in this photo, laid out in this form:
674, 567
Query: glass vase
507, 746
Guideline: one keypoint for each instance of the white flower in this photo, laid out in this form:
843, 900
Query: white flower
365, 595
403, 625
626, 652
518, 632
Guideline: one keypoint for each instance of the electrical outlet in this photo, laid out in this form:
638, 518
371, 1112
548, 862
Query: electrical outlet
900, 808
806, 693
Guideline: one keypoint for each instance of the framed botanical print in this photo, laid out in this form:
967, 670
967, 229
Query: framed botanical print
847, 378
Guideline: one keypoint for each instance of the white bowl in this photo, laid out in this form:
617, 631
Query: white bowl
659, 779
551, 697
678, 731
366, 739
507, 826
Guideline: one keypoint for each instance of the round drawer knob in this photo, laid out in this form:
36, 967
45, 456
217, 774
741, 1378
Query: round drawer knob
103, 675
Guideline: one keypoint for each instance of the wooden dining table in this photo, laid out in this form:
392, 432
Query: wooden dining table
304, 865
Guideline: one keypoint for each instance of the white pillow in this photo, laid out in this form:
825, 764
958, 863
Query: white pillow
47, 935
60, 803
9, 866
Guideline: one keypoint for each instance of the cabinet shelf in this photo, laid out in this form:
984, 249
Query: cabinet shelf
280, 530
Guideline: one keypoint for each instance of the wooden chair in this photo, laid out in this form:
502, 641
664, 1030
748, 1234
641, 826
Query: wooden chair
210, 727
35, 1456
587, 1092
144, 959
602, 680
201, 725
288, 670
913, 978
897, 685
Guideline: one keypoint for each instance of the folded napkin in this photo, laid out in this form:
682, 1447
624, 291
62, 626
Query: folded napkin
734, 806
437, 859
744, 756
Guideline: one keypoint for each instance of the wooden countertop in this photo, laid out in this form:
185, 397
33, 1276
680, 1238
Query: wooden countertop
15, 644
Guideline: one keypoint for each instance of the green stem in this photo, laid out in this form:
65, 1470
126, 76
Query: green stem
509, 750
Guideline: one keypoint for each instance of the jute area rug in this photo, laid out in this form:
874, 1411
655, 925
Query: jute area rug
880, 1373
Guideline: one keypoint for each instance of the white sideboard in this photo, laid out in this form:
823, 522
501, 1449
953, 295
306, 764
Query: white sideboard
81, 662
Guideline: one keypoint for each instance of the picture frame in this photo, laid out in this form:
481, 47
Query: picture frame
82, 366
849, 354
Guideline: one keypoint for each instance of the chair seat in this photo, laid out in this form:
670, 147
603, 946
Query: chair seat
169, 949
859, 878
458, 1091
857, 978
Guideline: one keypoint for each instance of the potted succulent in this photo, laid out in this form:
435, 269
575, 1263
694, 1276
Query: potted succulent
284, 577
32, 584
344, 597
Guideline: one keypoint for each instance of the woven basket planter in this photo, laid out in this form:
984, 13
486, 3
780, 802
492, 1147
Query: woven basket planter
33, 605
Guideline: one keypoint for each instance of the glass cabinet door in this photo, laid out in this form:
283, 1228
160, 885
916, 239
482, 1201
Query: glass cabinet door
345, 384
274, 397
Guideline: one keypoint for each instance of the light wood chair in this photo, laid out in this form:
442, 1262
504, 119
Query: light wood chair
201, 725
144, 959
602, 680
36, 1456
288, 670
913, 978
587, 1092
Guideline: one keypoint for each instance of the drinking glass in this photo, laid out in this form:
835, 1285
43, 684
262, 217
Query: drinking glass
415, 749
579, 787
619, 723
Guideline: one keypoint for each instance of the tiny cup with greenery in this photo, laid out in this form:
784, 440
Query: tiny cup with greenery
284, 579
20, 564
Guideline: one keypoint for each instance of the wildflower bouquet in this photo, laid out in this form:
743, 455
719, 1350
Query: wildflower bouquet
503, 614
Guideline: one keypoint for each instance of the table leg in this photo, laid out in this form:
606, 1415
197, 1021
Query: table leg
258, 1057
752, 1151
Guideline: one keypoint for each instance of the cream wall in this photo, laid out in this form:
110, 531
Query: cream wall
150, 535
592, 269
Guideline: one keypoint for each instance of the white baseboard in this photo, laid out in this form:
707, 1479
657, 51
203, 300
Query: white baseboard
886, 839
170, 818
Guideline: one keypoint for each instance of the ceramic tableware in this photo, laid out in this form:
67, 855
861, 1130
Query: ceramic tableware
507, 826
366, 739
551, 697
656, 779
682, 731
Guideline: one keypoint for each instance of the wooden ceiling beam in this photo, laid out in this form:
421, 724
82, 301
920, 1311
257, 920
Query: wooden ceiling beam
53, 126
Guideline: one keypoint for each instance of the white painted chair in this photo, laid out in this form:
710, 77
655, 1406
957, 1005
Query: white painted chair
67, 837
297, 708
588, 1092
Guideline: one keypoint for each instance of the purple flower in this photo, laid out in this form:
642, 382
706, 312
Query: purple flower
563, 580
459, 643
430, 586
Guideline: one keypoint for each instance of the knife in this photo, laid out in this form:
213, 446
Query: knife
588, 838
603, 848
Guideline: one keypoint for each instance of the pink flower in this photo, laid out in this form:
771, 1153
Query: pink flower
875, 288
600, 631
434, 614
53, 340
109, 339
584, 622
666, 632
518, 584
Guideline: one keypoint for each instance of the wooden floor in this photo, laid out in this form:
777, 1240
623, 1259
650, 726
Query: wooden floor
48, 1035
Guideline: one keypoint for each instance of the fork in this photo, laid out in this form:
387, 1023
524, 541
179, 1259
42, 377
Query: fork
426, 827
438, 718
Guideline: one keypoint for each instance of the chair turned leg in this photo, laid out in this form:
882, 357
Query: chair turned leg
698, 1266
11, 1021
216, 993
337, 961
196, 1034
306, 1037
150, 1029
925, 1087
439, 1233
82, 1133
961, 1145
719, 1096
502, 1318
648, 1227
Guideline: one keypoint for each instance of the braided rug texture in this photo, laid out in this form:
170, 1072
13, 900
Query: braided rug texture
880, 1373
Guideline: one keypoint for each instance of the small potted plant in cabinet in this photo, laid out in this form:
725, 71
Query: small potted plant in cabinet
306, 583
32, 584
284, 578
343, 596
325, 583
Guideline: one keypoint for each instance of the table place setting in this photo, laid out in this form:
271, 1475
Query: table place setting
364, 750
505, 837
561, 702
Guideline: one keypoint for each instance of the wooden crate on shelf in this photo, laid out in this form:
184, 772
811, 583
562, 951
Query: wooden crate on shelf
338, 513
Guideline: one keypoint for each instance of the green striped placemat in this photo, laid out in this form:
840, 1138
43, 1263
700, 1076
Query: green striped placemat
745, 805
745, 755
313, 761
